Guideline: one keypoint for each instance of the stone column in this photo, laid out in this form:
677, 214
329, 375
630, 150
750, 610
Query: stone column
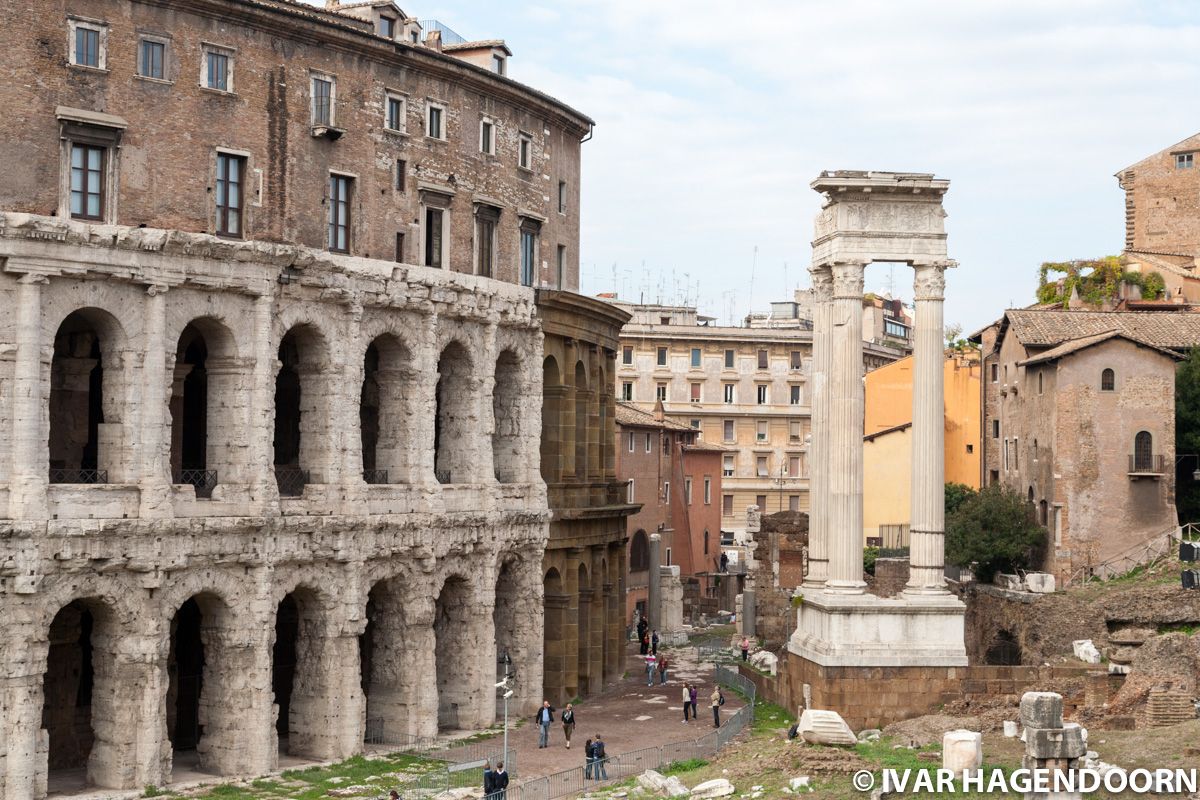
818, 466
262, 414
845, 431
30, 462
422, 421
654, 575
926, 574
348, 399
156, 483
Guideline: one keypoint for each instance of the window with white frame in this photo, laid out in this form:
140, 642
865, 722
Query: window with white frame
88, 43
498, 64
1184, 160
216, 68
649, 443
435, 226
729, 354
435, 120
525, 151
561, 266
728, 392
341, 188
662, 357
530, 233
631, 496
687, 491
152, 58
88, 177
629, 440
794, 395
762, 466
88, 166
761, 394
727, 466
487, 136
707, 491
727, 430
487, 218
796, 362
395, 112
761, 430
323, 91
660, 392
694, 390
626, 355
794, 430
627, 391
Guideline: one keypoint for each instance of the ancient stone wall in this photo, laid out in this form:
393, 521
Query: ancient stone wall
780, 550
213, 565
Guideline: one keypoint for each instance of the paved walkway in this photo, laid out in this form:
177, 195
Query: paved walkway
629, 715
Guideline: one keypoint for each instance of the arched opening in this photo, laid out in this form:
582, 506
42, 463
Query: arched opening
200, 436
202, 712
1108, 380
293, 681
581, 421
583, 620
506, 618
300, 413
85, 398
386, 651
1143, 452
455, 415
186, 670
506, 413
552, 400
1043, 513
451, 625
1003, 651
368, 416
79, 698
553, 645
604, 398
639, 552
384, 412
609, 613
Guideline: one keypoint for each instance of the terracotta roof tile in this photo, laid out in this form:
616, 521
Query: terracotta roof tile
1035, 327
1083, 342
629, 414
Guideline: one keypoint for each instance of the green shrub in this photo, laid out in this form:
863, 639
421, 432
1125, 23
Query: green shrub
995, 530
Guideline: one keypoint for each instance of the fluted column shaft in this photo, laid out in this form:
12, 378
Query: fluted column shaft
927, 528
818, 459
845, 427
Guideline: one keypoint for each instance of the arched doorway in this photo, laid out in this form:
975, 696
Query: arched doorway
583, 626
452, 644
384, 412
506, 618
200, 439
455, 413
506, 413
581, 422
293, 680
202, 706
553, 645
85, 397
300, 411
552, 399
387, 652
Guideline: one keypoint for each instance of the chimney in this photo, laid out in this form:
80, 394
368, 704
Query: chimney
332, 5
433, 40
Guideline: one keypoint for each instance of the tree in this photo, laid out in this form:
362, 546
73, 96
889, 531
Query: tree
956, 495
1187, 436
994, 529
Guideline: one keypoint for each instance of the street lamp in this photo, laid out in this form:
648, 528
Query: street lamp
508, 692
1179, 460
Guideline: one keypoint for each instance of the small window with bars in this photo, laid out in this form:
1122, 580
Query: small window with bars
340, 193
322, 100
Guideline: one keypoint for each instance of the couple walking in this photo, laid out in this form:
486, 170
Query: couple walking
495, 782
659, 664
545, 716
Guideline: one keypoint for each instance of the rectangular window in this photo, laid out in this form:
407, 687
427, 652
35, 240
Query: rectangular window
794, 430
399, 248
87, 51
627, 355
632, 496
995, 373
727, 430
796, 361
760, 500
695, 392
433, 237
695, 356
627, 391
528, 256
562, 197
394, 119
793, 466
649, 443
561, 265
485, 241
498, 64
727, 466
434, 123
401, 174
630, 438
387, 27
708, 491
728, 389
151, 59
687, 491
761, 467
762, 359
728, 359
229, 194
487, 137
695, 423
727, 505
760, 433
761, 394
794, 395
1183, 161
995, 429
668, 556
660, 392
340, 187
662, 357
218, 71
322, 101
525, 151
87, 181
793, 502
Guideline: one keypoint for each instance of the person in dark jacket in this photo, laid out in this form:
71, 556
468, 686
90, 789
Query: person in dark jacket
568, 723
654, 643
587, 760
500, 782
489, 779
598, 758
543, 718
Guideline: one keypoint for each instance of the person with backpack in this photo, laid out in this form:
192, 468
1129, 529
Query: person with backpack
599, 757
718, 700
687, 701
568, 723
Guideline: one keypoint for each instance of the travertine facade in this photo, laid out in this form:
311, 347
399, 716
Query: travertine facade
258, 497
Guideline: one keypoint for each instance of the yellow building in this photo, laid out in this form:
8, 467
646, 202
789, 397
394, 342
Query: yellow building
887, 451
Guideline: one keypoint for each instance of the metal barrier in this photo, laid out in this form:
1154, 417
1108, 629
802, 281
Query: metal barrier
1145, 552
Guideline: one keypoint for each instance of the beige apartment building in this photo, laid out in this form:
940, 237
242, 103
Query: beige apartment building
744, 388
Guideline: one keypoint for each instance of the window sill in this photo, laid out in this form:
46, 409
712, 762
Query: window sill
86, 68
396, 132
148, 79
436, 139
221, 92
525, 170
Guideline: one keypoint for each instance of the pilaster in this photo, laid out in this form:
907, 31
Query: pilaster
30, 460
156, 391
818, 529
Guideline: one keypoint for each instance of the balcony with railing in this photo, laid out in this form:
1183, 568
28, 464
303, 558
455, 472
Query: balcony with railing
1147, 465
204, 481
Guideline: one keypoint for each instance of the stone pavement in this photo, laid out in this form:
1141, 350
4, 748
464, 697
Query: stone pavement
630, 715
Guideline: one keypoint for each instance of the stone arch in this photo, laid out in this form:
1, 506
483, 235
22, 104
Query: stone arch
456, 415
506, 415
606, 410
454, 613
302, 413
87, 398
296, 649
581, 421
386, 411
1003, 651
583, 628
391, 648
639, 552
203, 395
554, 644
553, 397
1143, 451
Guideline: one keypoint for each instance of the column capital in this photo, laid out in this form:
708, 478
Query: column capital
156, 289
929, 280
33, 279
822, 282
848, 279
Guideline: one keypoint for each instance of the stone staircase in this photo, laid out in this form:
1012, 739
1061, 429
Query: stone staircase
1164, 707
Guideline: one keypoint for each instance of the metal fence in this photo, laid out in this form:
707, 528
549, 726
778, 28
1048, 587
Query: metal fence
1140, 554
628, 765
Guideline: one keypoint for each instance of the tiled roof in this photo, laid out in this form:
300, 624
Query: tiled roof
870, 437
1035, 327
706, 447
629, 414
1075, 345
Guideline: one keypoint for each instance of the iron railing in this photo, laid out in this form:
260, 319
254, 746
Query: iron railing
375, 476
442, 475
1140, 554
1147, 464
291, 481
448, 35
202, 480
86, 476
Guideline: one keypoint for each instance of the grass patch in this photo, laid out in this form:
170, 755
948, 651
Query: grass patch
353, 771
153, 791
1188, 629
769, 718
687, 765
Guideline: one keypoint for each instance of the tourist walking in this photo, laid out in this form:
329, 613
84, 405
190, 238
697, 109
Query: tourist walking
543, 718
588, 760
500, 782
642, 630
489, 779
745, 648
724, 562
687, 701
599, 757
650, 662
718, 700
663, 665
568, 723
694, 694
654, 643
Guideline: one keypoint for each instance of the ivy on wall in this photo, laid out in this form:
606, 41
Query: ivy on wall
1096, 280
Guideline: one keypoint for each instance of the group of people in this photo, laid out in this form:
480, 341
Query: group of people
691, 695
657, 665
594, 756
495, 781
647, 639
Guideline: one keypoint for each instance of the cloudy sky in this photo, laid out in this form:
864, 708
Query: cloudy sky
713, 118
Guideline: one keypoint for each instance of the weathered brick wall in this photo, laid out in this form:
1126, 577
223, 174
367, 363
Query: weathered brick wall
780, 550
1162, 203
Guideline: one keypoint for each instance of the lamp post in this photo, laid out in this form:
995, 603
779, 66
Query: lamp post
508, 692
1179, 459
